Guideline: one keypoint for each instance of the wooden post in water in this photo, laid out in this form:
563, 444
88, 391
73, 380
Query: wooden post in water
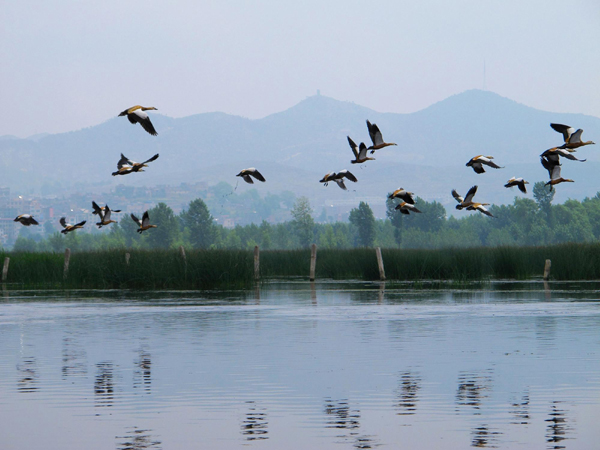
5, 269
67, 259
127, 256
313, 261
256, 263
380, 264
547, 269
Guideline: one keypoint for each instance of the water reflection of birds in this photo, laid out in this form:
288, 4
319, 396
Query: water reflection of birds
138, 439
410, 384
483, 437
143, 371
73, 356
471, 389
28, 376
255, 424
520, 411
104, 385
557, 428
345, 418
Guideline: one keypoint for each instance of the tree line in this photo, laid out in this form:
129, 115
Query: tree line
524, 222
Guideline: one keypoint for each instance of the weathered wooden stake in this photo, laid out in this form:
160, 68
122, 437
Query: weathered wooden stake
547, 269
380, 264
127, 256
67, 259
5, 268
256, 263
313, 261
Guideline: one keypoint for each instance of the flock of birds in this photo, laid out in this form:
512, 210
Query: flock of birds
550, 160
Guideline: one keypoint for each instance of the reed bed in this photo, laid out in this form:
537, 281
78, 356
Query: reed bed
210, 269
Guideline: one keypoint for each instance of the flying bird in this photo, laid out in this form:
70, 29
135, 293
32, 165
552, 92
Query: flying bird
553, 169
26, 219
68, 227
105, 217
143, 224
247, 175
407, 208
360, 152
136, 114
404, 195
99, 210
468, 203
519, 182
338, 177
571, 137
477, 163
126, 166
376, 137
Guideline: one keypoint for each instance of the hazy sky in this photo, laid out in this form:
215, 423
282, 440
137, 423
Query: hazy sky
68, 64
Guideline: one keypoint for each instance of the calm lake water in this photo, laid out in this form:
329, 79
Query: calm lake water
300, 366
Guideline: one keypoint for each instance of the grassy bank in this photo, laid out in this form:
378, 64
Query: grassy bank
162, 269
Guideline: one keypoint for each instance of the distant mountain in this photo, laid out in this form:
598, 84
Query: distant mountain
296, 147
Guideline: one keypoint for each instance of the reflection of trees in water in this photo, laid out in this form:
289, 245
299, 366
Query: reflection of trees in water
471, 389
28, 376
104, 384
557, 428
410, 384
137, 439
255, 424
345, 418
73, 358
143, 371
520, 411
484, 437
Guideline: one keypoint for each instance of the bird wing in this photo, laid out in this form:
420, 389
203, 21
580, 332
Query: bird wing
142, 118
124, 161
247, 178
145, 219
566, 154
487, 162
458, 198
349, 175
566, 130
340, 183
374, 133
80, 224
576, 137
63, 222
256, 174
521, 185
33, 221
555, 174
478, 167
362, 154
97, 209
106, 216
471, 194
136, 220
151, 159
549, 164
482, 209
353, 146
408, 198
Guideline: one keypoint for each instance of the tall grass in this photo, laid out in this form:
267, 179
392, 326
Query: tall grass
207, 269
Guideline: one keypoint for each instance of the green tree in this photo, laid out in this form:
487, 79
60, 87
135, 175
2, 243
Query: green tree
543, 196
199, 222
167, 230
303, 222
364, 221
396, 217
